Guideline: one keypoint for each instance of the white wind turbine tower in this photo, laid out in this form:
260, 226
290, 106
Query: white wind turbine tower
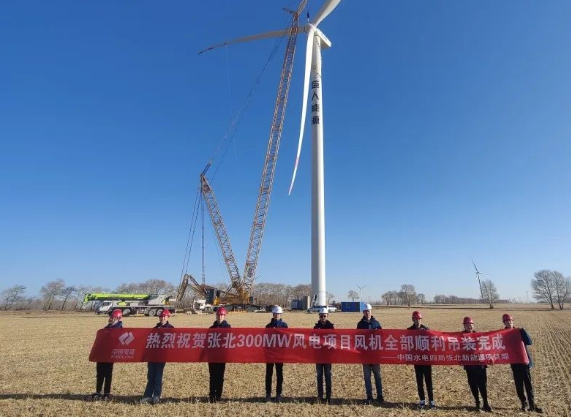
316, 41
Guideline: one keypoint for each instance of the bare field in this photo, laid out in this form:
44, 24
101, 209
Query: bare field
45, 371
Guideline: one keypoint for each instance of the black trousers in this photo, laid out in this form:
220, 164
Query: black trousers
424, 373
104, 375
478, 380
323, 369
279, 377
216, 371
522, 377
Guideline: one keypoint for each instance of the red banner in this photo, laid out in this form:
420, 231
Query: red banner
250, 345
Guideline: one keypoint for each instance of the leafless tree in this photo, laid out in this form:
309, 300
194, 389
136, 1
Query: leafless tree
66, 293
51, 291
562, 288
353, 295
390, 298
543, 287
12, 295
330, 298
300, 291
421, 298
151, 286
490, 292
407, 294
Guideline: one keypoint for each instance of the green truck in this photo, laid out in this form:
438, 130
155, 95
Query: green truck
147, 304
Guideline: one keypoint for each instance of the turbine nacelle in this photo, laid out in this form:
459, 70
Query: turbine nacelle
325, 42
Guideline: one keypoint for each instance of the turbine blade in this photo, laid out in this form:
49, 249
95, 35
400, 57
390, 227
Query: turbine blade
272, 34
327, 8
477, 272
308, 56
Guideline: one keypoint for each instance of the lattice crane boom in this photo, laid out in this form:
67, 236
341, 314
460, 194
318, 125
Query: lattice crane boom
223, 239
243, 285
266, 183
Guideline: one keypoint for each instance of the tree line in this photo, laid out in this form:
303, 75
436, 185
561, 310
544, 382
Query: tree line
57, 295
551, 287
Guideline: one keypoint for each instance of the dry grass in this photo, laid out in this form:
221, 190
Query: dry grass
44, 370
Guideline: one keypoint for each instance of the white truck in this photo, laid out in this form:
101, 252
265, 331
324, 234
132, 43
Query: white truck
201, 306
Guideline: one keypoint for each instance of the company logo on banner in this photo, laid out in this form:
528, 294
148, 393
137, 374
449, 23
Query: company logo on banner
126, 338
247, 345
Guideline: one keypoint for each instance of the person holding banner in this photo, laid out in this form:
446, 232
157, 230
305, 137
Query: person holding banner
155, 370
371, 323
422, 372
105, 369
216, 370
477, 377
275, 323
521, 371
323, 368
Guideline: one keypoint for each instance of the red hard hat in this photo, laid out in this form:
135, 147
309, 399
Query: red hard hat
165, 313
117, 314
468, 320
506, 317
221, 311
416, 315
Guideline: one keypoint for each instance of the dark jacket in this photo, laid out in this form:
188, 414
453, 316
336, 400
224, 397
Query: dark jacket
276, 324
372, 325
224, 324
422, 327
326, 325
167, 325
525, 337
118, 325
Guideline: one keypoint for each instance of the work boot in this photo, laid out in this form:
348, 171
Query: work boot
432, 405
533, 407
421, 404
155, 400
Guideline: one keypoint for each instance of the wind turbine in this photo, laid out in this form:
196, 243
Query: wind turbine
316, 41
361, 291
478, 273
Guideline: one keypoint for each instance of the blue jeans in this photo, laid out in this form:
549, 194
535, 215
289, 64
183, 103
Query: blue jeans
154, 379
376, 369
323, 368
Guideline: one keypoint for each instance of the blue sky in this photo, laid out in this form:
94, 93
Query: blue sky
447, 137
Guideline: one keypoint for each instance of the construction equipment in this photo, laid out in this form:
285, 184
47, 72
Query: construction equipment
147, 304
240, 289
268, 172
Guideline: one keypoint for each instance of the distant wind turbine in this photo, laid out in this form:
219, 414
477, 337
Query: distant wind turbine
361, 291
478, 273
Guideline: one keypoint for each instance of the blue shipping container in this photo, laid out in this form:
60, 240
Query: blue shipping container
352, 306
